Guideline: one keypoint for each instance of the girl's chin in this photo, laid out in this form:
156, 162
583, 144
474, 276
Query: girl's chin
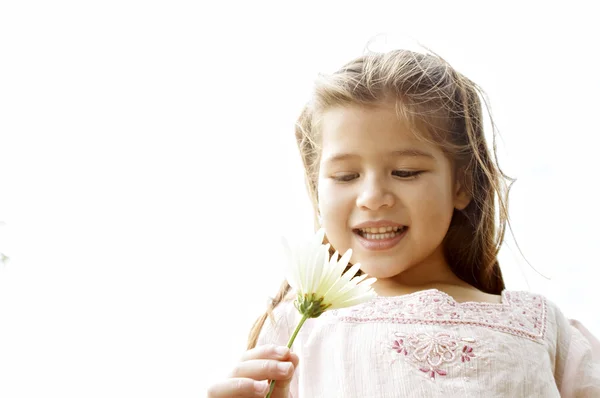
380, 270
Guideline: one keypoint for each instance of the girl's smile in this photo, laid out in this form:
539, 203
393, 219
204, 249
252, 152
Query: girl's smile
380, 235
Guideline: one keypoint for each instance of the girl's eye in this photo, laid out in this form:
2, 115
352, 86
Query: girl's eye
345, 177
406, 174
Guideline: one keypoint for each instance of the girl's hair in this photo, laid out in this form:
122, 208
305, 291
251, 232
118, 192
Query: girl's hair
443, 107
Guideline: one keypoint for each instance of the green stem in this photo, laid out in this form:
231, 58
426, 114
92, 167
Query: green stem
289, 345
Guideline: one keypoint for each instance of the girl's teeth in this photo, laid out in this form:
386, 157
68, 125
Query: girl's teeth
379, 230
386, 235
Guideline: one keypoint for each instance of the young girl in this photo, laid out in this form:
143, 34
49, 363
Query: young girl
399, 171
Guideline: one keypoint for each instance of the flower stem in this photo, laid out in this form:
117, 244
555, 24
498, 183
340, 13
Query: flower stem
289, 345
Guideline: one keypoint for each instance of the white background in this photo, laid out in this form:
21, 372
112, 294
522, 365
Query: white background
148, 169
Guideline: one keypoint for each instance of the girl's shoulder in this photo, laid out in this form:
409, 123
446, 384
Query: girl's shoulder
545, 314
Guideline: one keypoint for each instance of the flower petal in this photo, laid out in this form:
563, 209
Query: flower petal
291, 270
343, 289
337, 272
352, 301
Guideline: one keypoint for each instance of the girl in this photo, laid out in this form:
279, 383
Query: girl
399, 171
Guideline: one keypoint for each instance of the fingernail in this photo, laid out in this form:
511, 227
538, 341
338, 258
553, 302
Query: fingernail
260, 387
284, 367
281, 350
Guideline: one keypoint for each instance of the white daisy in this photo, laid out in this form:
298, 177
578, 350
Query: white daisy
320, 280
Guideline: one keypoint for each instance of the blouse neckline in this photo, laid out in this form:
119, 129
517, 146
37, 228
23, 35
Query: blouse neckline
446, 296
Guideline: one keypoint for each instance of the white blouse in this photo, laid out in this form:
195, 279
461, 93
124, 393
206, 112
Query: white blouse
425, 344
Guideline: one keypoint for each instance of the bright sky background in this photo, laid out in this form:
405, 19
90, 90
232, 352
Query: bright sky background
148, 169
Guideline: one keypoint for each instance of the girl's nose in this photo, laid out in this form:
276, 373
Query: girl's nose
375, 195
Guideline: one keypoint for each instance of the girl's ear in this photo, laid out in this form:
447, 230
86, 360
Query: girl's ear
462, 191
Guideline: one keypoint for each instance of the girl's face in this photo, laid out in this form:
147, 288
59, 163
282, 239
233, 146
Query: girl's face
373, 170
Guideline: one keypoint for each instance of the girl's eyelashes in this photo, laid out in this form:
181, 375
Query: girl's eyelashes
402, 174
406, 174
345, 177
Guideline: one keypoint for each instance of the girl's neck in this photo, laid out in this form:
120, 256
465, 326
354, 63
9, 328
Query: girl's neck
434, 273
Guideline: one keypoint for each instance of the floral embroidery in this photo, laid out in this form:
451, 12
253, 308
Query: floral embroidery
432, 371
467, 353
432, 354
520, 313
399, 347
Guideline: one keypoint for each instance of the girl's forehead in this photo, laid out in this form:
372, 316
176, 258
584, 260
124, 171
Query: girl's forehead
372, 129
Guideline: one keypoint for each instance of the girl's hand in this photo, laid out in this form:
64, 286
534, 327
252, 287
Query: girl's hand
251, 376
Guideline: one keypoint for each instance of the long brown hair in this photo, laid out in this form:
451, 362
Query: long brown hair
443, 107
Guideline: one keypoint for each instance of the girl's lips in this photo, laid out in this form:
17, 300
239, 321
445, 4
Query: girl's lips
380, 244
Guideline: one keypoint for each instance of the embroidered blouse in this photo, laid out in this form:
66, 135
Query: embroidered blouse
426, 344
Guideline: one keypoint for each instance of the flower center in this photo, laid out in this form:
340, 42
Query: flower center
311, 305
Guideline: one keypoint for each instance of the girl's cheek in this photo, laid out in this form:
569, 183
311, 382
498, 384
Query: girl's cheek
326, 195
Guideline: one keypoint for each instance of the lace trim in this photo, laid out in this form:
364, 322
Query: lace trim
520, 313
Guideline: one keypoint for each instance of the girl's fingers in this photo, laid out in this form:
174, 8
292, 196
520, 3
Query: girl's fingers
294, 359
268, 351
264, 369
258, 367
239, 387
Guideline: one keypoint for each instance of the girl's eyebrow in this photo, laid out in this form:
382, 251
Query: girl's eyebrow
410, 152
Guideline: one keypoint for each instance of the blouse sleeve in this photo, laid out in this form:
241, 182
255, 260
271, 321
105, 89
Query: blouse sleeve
578, 362
278, 330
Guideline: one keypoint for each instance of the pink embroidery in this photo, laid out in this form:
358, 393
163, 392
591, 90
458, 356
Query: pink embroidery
431, 372
467, 353
398, 346
520, 313
432, 354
